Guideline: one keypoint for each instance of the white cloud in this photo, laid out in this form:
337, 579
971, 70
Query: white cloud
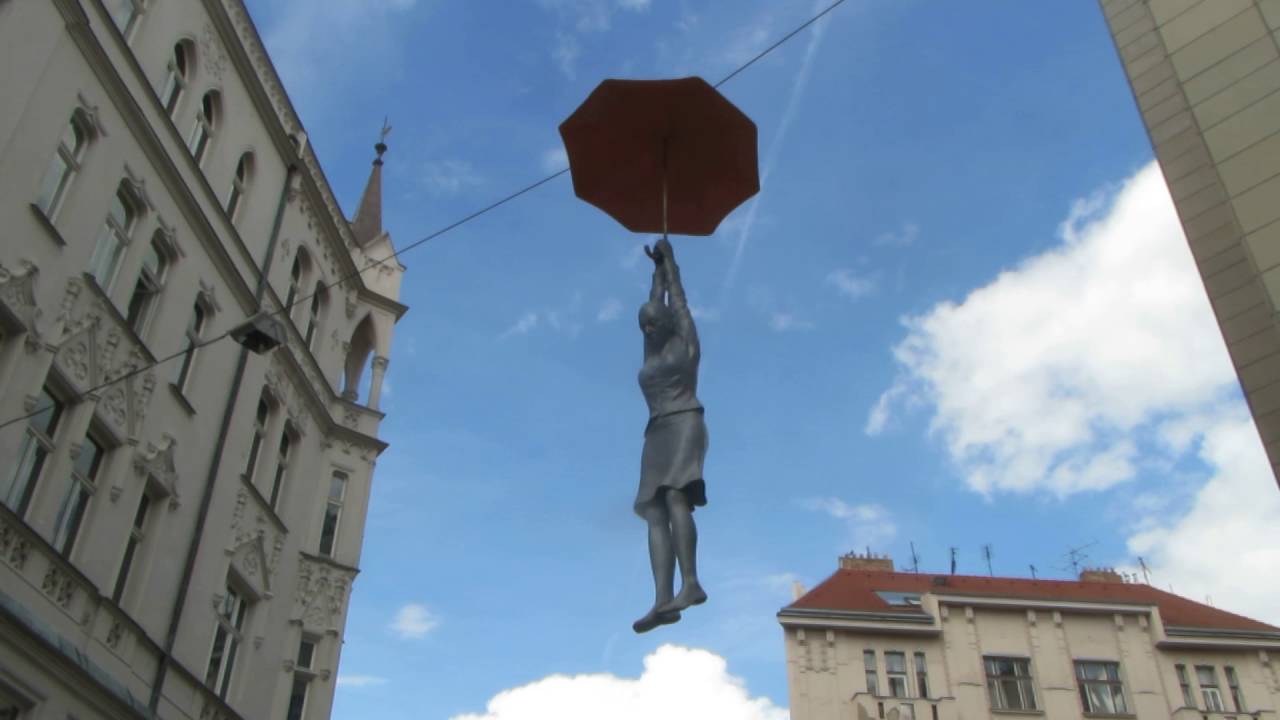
566, 52
869, 524
357, 681
1228, 545
1091, 363
850, 284
554, 160
635, 5
780, 321
902, 238
414, 621
523, 326
708, 314
449, 176
1043, 378
677, 683
609, 311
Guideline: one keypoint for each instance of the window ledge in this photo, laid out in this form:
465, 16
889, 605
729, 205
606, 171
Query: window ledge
1109, 715
48, 226
182, 399
1016, 712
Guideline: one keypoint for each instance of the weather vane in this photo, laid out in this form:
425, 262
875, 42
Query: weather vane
385, 131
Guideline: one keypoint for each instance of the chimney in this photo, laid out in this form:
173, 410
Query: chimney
875, 563
797, 590
1102, 575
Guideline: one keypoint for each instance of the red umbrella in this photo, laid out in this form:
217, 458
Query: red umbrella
637, 145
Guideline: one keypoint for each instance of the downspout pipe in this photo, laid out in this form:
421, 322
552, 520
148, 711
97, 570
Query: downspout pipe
215, 462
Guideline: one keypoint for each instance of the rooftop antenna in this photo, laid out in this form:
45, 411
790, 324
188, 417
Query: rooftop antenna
1033, 572
986, 553
915, 559
1076, 556
953, 560
1146, 571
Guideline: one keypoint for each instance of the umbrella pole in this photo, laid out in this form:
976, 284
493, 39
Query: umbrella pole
664, 188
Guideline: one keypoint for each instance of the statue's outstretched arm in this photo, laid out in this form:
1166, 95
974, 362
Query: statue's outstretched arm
677, 301
659, 287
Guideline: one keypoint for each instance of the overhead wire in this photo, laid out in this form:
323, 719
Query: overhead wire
284, 309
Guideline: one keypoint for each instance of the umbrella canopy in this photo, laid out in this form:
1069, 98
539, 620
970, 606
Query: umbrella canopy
631, 140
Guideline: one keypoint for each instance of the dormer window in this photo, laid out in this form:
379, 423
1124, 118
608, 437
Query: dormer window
900, 599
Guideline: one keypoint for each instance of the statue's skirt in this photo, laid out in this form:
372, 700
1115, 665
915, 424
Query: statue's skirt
675, 447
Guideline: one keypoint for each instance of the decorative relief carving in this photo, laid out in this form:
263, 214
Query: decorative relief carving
18, 294
215, 59
159, 462
91, 349
13, 546
114, 634
58, 586
321, 593
290, 397
210, 293
243, 531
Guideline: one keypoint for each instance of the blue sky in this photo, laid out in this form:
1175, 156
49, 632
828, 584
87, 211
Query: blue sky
959, 313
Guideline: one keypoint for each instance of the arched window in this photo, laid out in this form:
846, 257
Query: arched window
192, 337
64, 164
146, 291
175, 81
301, 266
362, 345
235, 197
282, 466
205, 124
260, 421
122, 217
319, 299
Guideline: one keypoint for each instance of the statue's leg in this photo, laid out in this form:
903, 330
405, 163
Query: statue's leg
685, 535
662, 560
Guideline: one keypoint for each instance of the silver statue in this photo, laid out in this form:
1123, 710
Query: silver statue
675, 441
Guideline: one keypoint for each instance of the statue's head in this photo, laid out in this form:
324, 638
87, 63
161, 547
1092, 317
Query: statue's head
656, 322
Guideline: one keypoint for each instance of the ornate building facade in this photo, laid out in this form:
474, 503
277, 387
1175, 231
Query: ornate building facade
1205, 75
181, 517
873, 643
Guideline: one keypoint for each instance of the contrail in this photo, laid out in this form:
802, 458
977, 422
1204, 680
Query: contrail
793, 103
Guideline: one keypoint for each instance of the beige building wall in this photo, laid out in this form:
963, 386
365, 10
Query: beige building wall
70, 645
827, 674
1206, 78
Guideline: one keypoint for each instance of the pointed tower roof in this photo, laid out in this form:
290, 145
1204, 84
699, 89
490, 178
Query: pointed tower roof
367, 224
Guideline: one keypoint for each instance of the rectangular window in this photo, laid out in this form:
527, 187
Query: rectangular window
282, 468
1009, 683
137, 533
895, 672
1233, 683
1188, 699
62, 167
123, 13
1100, 689
226, 642
869, 660
1208, 679
922, 677
195, 327
259, 432
112, 239
36, 446
147, 289
301, 679
333, 513
75, 498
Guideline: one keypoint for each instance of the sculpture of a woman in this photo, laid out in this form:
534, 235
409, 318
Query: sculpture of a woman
675, 441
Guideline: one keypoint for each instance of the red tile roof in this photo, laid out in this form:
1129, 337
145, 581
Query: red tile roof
855, 590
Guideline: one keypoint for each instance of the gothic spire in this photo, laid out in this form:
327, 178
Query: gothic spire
367, 224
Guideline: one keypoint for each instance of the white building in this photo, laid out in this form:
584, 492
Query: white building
180, 518
873, 643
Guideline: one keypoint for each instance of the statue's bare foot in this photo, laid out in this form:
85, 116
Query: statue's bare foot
691, 594
654, 618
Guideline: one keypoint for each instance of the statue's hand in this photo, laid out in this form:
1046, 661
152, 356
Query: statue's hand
663, 248
654, 255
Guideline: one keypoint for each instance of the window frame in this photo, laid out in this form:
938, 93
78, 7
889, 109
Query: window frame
115, 236
138, 312
137, 536
333, 508
81, 486
997, 683
71, 161
205, 127
261, 422
134, 9
239, 185
1211, 692
177, 76
896, 678
228, 636
288, 437
922, 674
315, 314
1112, 683
1233, 685
872, 678
194, 332
40, 441
1184, 680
